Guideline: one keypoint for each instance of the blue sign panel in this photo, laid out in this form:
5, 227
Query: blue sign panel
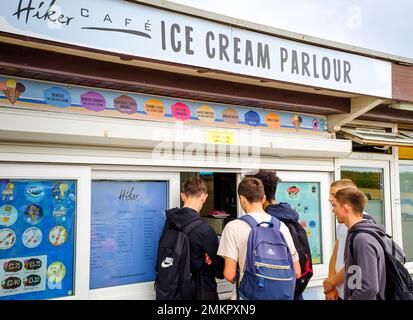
304, 197
127, 222
58, 97
36, 238
252, 118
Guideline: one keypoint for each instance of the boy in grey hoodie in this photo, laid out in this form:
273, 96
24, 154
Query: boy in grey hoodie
365, 277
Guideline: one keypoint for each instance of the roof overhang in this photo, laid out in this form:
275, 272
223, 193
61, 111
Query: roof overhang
377, 138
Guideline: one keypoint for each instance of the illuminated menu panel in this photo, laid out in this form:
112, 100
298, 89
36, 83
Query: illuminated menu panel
127, 221
36, 238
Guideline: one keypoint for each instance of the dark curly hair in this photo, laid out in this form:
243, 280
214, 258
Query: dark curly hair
270, 181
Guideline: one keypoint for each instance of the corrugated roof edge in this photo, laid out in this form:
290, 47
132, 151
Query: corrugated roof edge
252, 26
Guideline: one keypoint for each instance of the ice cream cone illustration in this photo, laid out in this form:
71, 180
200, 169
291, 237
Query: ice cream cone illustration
296, 121
63, 188
12, 90
8, 192
11, 94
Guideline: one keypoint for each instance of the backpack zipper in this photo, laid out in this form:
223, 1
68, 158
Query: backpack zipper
271, 278
271, 266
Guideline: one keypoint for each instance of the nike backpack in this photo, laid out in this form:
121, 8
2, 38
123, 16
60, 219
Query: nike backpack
300, 240
174, 279
269, 271
399, 283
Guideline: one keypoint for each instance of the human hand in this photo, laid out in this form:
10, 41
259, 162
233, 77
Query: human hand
207, 259
332, 295
328, 285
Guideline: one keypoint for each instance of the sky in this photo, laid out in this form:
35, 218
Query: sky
380, 25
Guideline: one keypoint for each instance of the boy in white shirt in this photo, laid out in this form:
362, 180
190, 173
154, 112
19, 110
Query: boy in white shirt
234, 240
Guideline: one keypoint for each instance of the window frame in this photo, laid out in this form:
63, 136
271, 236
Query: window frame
377, 138
409, 264
376, 164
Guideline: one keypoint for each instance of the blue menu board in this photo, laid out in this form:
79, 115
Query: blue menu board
304, 197
127, 222
37, 238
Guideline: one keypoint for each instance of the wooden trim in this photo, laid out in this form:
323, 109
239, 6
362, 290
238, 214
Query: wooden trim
47, 65
387, 114
402, 82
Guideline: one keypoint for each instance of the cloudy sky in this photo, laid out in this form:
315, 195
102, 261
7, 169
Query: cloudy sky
381, 25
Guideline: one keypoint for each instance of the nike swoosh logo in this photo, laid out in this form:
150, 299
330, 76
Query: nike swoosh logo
165, 265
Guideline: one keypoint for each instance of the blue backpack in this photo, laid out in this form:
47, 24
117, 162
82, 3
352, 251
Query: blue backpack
269, 272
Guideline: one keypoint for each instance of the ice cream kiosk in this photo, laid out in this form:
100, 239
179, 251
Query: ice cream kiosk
107, 106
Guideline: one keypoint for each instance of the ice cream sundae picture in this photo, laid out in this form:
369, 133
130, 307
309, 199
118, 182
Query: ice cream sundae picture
293, 192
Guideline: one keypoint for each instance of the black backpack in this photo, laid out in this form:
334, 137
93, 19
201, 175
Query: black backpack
399, 284
300, 240
174, 279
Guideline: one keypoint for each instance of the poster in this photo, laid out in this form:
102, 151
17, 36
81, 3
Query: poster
127, 221
23, 93
304, 197
36, 238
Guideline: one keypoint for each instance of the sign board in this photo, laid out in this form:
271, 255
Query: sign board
127, 222
147, 32
37, 238
38, 95
304, 197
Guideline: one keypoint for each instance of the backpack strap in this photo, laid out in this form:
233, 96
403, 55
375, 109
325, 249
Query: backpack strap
253, 223
375, 235
187, 229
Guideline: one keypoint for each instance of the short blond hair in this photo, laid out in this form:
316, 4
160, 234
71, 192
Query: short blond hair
344, 183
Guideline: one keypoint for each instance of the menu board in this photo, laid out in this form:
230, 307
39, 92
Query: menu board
36, 238
127, 222
304, 197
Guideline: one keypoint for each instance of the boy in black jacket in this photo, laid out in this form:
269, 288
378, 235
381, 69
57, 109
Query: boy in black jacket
203, 241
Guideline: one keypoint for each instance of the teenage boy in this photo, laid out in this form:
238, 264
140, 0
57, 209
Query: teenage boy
281, 211
206, 265
365, 267
334, 284
233, 244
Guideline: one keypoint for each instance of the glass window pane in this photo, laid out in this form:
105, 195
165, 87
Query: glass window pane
406, 196
37, 232
127, 221
370, 181
304, 197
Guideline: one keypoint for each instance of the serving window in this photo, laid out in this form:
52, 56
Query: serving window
221, 205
